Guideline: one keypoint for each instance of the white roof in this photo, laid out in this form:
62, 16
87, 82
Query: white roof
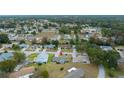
72, 69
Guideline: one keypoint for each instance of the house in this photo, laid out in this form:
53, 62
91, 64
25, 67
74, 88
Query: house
7, 45
65, 46
80, 58
106, 48
24, 46
67, 37
6, 56
58, 53
49, 46
60, 59
42, 57
78, 73
121, 61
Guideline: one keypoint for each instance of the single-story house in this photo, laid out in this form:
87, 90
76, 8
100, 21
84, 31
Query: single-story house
60, 59
49, 46
6, 56
7, 45
78, 73
24, 46
121, 61
106, 48
42, 57
81, 58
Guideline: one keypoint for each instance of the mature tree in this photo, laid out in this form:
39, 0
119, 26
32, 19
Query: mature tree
16, 47
72, 42
7, 65
33, 33
22, 42
55, 42
19, 57
111, 58
44, 40
4, 38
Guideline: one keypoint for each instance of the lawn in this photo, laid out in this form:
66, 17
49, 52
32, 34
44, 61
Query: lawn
50, 58
67, 50
31, 57
91, 71
115, 73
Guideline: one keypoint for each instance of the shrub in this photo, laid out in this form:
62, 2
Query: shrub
62, 68
45, 74
111, 73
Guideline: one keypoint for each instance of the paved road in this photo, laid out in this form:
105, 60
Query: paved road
101, 73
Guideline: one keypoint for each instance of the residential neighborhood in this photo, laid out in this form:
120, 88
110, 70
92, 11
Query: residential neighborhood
61, 47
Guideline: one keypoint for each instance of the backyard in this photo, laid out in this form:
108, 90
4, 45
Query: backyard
55, 70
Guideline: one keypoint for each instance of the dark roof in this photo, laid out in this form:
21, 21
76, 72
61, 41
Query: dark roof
61, 59
79, 73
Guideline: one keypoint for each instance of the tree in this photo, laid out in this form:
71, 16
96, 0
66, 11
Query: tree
15, 47
72, 42
22, 42
45, 26
19, 57
7, 65
4, 38
55, 42
33, 33
44, 40
111, 58
96, 55
45, 74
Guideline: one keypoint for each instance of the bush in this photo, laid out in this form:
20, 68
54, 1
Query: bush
62, 68
7, 65
111, 73
45, 74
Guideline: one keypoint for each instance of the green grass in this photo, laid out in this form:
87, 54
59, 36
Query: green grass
67, 50
50, 58
31, 57
115, 73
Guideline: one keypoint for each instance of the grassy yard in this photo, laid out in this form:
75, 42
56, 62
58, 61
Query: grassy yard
91, 71
115, 73
50, 58
67, 50
31, 57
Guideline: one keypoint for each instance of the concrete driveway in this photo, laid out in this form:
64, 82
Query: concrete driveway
101, 73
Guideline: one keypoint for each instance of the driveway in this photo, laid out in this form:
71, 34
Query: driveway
101, 73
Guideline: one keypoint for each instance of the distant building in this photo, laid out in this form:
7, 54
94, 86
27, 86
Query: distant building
24, 46
49, 46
